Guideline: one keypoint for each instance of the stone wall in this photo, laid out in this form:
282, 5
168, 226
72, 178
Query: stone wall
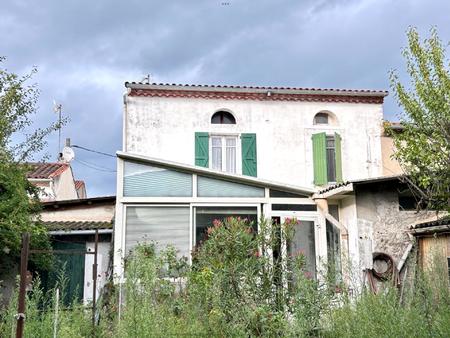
377, 204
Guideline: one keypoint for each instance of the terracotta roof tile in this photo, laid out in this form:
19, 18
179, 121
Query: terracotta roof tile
255, 93
46, 170
79, 184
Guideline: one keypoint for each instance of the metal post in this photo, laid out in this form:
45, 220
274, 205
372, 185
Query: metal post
94, 277
23, 284
55, 323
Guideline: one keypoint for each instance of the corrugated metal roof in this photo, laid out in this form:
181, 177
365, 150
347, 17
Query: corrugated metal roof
77, 225
441, 221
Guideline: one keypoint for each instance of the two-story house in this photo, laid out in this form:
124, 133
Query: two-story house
192, 154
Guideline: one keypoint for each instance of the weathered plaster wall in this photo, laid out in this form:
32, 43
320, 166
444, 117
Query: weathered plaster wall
164, 128
80, 213
377, 205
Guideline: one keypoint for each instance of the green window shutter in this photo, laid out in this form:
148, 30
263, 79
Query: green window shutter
337, 145
202, 149
249, 162
319, 158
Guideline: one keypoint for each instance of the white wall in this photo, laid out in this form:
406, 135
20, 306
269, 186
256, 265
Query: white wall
164, 128
93, 213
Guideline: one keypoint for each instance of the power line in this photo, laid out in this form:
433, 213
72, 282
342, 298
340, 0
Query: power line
94, 166
93, 151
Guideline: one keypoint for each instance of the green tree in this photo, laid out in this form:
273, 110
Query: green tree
423, 148
19, 203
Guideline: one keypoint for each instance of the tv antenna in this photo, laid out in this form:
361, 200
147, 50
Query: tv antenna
57, 108
146, 79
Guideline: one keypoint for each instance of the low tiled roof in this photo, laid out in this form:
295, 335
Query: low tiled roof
79, 184
441, 221
255, 93
77, 225
44, 170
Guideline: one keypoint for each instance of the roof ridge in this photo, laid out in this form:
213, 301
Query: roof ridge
255, 87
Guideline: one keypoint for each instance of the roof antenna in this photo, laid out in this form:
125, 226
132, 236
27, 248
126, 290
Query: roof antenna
57, 108
146, 79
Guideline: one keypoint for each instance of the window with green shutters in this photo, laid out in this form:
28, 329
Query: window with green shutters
202, 149
327, 158
249, 159
219, 152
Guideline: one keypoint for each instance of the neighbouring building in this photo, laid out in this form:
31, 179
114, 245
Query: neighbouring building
72, 225
80, 186
55, 181
390, 165
195, 153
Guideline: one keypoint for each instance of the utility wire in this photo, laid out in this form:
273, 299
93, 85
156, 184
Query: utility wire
93, 151
94, 166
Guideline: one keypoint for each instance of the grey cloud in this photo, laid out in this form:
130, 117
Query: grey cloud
86, 50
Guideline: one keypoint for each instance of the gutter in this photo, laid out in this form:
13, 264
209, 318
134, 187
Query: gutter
80, 232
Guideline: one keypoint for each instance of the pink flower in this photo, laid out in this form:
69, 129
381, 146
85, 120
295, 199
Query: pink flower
308, 274
217, 223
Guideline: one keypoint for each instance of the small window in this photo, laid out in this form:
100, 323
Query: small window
223, 117
321, 118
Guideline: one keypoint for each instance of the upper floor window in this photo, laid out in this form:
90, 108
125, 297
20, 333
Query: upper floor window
229, 153
321, 118
327, 158
223, 117
325, 118
223, 153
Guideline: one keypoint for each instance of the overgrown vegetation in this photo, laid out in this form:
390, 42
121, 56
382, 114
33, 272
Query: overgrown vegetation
236, 288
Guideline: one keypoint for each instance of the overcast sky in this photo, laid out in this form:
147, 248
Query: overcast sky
86, 50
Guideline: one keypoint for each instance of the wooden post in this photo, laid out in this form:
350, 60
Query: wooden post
94, 277
23, 284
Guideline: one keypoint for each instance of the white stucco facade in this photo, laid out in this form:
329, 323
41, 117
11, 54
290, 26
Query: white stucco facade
164, 128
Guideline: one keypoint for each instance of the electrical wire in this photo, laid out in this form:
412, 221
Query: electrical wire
93, 151
94, 166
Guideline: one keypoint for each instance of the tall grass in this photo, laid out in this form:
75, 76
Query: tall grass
235, 288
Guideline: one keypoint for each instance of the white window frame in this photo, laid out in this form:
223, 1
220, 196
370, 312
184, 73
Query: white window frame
214, 205
224, 156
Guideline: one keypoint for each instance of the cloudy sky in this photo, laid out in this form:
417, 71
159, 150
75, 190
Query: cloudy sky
86, 50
